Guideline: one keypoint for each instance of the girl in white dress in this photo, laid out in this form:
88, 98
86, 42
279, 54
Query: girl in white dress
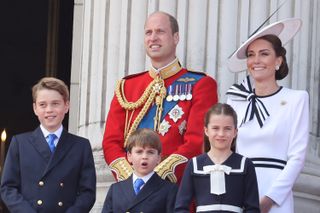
273, 120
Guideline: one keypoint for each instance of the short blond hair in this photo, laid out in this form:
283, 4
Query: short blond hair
51, 83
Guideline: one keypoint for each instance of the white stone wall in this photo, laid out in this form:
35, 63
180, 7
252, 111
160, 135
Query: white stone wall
108, 44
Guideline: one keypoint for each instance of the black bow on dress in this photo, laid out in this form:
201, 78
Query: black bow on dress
255, 106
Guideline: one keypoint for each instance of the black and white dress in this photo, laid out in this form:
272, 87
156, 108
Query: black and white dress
241, 192
278, 147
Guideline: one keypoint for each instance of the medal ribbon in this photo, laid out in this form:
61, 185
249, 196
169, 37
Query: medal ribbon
147, 121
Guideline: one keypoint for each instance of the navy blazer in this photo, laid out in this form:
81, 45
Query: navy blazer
156, 196
34, 180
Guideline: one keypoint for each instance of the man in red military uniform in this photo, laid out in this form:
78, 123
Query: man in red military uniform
167, 98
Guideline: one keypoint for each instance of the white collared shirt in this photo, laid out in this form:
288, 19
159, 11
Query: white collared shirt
58, 133
144, 178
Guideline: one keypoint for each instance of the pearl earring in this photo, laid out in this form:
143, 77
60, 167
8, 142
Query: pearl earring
277, 67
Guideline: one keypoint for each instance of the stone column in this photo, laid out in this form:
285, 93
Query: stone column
108, 44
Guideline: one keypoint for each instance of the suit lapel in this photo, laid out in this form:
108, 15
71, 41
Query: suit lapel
152, 186
40, 144
63, 147
127, 190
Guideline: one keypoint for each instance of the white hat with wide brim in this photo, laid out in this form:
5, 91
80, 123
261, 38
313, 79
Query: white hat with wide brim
285, 29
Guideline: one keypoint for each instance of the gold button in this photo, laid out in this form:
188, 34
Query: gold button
61, 184
60, 204
41, 183
39, 202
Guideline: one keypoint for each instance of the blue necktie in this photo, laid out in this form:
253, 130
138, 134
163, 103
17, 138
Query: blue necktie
51, 138
137, 185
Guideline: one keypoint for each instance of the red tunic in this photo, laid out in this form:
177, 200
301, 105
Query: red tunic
187, 142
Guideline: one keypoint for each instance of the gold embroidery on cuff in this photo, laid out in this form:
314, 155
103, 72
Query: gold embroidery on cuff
122, 168
166, 168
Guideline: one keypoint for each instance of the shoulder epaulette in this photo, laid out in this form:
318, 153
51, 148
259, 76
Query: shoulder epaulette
134, 75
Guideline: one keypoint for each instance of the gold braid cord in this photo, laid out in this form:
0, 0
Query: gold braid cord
122, 168
159, 102
155, 91
166, 168
132, 105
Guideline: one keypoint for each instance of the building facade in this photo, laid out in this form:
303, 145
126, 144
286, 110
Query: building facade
108, 44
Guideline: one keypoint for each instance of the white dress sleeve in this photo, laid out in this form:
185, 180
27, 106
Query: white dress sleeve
298, 141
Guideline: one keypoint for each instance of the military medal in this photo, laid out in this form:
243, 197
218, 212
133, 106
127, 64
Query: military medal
176, 93
189, 92
182, 93
164, 127
169, 97
176, 113
185, 91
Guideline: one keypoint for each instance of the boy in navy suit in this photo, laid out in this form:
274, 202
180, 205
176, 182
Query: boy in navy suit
49, 170
144, 191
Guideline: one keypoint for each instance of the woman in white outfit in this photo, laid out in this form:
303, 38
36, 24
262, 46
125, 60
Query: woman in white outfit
273, 120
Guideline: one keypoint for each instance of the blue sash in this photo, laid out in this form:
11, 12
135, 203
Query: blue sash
147, 121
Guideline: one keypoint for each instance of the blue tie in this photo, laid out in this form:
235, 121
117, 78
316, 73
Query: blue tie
51, 138
137, 185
